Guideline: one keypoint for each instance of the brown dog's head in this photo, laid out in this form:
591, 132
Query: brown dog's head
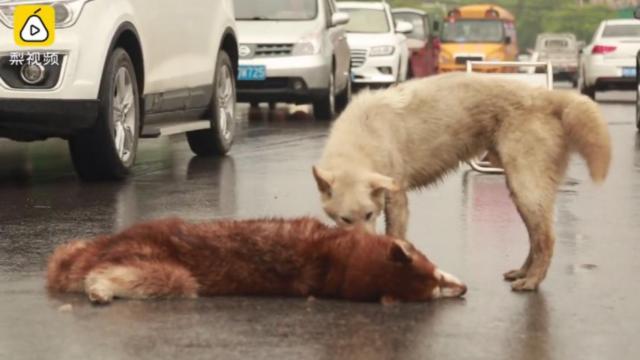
387, 269
352, 198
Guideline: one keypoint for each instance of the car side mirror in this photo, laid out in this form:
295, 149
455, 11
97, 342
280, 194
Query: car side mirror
507, 40
404, 27
636, 13
339, 18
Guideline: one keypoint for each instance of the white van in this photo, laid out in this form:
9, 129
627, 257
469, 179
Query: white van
294, 51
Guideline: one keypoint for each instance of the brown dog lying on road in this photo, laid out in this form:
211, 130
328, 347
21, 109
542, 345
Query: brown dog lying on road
270, 257
389, 142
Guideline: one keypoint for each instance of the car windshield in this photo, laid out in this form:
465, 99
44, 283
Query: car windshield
367, 21
626, 30
473, 31
276, 10
418, 24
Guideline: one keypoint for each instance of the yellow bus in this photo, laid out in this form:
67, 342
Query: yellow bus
476, 33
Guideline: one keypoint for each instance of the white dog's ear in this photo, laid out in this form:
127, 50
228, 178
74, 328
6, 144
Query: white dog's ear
323, 178
380, 182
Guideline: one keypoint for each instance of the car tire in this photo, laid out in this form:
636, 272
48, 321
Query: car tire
409, 71
218, 138
107, 150
342, 100
638, 92
638, 107
590, 91
325, 108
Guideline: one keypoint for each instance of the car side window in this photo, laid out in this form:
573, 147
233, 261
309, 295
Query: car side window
427, 27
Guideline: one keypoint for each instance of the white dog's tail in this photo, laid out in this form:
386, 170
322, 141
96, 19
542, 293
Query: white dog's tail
586, 129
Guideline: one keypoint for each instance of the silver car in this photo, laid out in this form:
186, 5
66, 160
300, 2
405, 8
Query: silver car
561, 50
293, 51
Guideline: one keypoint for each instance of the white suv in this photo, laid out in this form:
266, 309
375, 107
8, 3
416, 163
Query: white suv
119, 70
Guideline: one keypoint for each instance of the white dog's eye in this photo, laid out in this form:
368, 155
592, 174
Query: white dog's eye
369, 215
346, 220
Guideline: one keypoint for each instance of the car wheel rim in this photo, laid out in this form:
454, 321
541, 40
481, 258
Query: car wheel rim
124, 115
332, 95
226, 103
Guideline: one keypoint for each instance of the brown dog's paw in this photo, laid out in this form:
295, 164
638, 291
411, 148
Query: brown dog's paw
99, 292
526, 284
387, 300
98, 298
514, 275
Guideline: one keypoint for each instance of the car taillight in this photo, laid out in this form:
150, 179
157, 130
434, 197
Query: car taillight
603, 49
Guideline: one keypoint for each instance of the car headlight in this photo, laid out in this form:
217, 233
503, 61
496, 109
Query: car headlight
308, 45
384, 50
445, 57
67, 11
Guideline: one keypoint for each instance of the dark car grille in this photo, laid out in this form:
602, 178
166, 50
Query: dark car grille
268, 50
463, 59
267, 84
358, 58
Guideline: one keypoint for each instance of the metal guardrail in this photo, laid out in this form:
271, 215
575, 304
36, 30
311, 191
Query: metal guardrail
486, 167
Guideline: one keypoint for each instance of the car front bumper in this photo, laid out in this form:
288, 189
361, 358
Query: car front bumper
83, 46
370, 72
297, 79
27, 119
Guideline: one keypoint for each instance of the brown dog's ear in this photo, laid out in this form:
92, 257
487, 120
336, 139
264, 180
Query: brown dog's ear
379, 182
323, 179
400, 252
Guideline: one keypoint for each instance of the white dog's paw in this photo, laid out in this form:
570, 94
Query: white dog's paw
514, 274
526, 284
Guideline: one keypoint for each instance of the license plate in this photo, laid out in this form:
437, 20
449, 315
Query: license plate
629, 72
252, 72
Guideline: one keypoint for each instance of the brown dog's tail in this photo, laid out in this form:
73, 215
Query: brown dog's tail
586, 129
64, 268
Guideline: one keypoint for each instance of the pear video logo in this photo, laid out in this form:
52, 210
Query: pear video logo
34, 29
34, 25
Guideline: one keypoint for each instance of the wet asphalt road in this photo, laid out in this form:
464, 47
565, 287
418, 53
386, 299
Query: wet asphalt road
588, 307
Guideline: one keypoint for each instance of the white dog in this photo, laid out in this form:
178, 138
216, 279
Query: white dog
390, 141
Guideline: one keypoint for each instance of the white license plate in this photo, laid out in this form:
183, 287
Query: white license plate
252, 72
629, 72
